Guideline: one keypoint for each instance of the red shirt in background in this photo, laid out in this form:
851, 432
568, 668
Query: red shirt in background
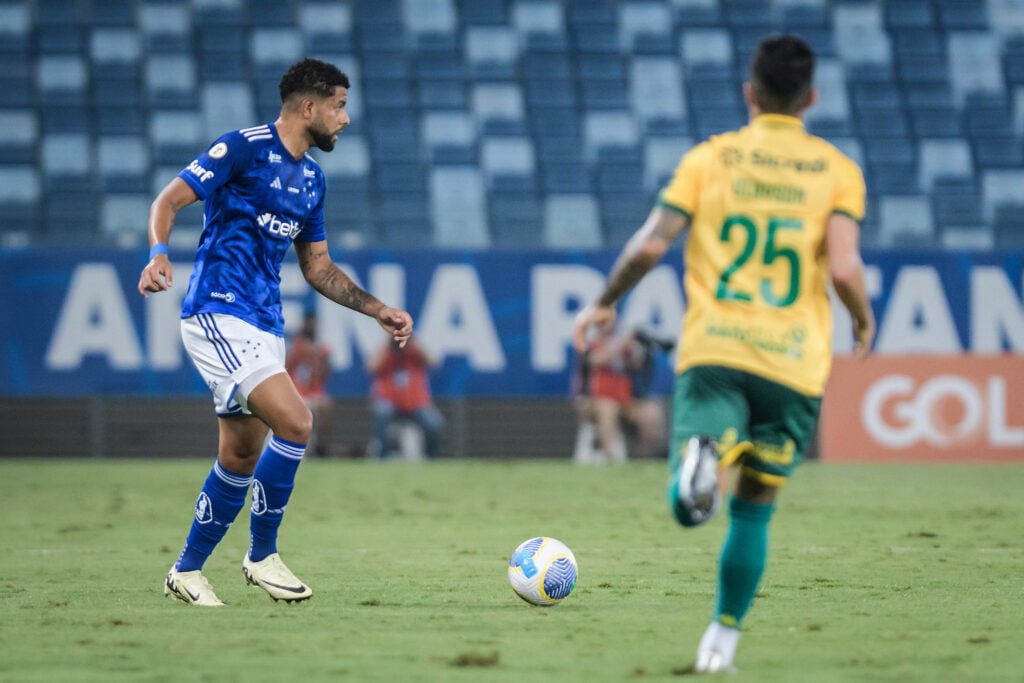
307, 364
402, 378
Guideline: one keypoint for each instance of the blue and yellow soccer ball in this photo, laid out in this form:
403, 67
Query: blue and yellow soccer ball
542, 571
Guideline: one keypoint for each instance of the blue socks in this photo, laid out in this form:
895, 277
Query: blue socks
743, 559
219, 502
272, 485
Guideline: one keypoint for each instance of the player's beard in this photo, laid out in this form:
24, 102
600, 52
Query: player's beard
321, 140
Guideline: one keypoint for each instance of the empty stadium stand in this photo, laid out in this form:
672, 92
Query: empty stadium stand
504, 123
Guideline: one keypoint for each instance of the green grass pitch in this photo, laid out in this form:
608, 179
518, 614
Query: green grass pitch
876, 573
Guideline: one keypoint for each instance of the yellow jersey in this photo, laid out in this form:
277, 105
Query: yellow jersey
756, 268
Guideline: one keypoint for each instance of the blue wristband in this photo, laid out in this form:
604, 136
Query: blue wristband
158, 248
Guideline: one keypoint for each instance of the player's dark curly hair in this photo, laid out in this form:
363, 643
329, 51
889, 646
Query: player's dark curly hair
781, 73
311, 77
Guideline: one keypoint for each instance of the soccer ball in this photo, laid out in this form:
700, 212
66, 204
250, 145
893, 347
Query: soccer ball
542, 571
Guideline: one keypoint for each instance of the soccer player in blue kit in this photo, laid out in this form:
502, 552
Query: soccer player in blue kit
262, 193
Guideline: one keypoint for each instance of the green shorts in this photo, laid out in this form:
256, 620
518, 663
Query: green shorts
765, 426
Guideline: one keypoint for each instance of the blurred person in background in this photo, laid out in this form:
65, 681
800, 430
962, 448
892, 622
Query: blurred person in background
309, 365
773, 216
645, 413
602, 394
262, 194
401, 391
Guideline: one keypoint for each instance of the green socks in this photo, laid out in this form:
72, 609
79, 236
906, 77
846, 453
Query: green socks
743, 559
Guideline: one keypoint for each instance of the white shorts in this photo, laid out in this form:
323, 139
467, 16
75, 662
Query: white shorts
232, 356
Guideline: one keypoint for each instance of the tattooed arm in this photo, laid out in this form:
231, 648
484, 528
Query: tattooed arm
641, 253
328, 279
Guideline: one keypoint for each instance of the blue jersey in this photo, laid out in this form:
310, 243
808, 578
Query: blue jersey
258, 199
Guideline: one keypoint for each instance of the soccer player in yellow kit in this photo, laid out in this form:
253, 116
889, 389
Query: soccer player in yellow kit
773, 213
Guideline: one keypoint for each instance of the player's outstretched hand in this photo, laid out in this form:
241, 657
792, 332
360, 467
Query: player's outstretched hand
157, 276
588, 317
397, 323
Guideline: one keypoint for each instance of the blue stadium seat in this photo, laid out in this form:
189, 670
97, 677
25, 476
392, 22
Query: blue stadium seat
821, 40
998, 153
929, 95
386, 36
435, 41
123, 163
987, 115
956, 202
516, 220
829, 128
542, 95
799, 17
621, 216
74, 218
936, 122
546, 67
704, 14
20, 205
395, 94
1013, 60
892, 179
458, 207
905, 220
571, 221
600, 94
659, 44
1008, 225
746, 12
922, 68
909, 14
882, 123
119, 120
569, 177
962, 15
714, 121
492, 53
482, 12
272, 13
918, 41
703, 94
176, 136
666, 127
436, 93
63, 80
54, 39
438, 65
75, 118
559, 150
876, 96
19, 134
398, 178
16, 23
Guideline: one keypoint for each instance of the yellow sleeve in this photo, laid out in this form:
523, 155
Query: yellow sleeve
850, 194
682, 192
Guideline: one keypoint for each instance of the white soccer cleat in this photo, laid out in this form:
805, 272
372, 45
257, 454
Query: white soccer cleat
711, 662
697, 493
191, 587
717, 649
273, 576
